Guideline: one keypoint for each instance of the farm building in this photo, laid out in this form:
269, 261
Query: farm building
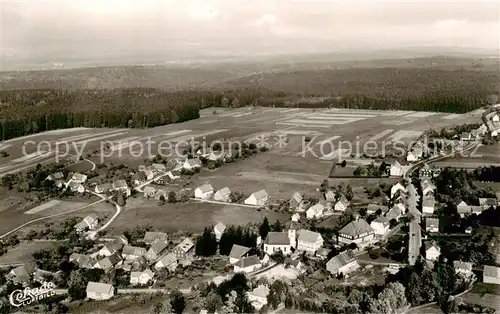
191, 164
103, 188
141, 277
78, 177
432, 251
184, 249
237, 253
279, 242
247, 264
357, 231
491, 274
204, 192
295, 201
258, 198
219, 229
342, 204
149, 191
76, 187
133, 252
315, 211
156, 250
309, 241
223, 195
153, 236
432, 224
344, 263
100, 291
90, 222
168, 261
121, 186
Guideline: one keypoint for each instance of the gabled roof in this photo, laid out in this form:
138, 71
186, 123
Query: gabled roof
375, 207
205, 188
491, 271
261, 291
488, 201
98, 287
308, 236
224, 192
219, 227
396, 163
356, 227
193, 162
343, 200
259, 195
344, 258
394, 212
120, 184
139, 176
105, 186
399, 185
428, 201
248, 261
277, 238
152, 236
186, 245
158, 166
149, 190
430, 244
296, 197
432, 222
237, 251
317, 208
133, 250
167, 259
158, 247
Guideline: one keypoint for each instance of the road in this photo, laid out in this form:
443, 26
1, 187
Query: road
223, 203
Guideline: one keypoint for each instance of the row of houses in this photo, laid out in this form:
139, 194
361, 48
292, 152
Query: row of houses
206, 192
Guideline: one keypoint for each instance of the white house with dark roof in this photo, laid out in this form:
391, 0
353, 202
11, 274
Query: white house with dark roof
380, 225
237, 253
341, 204
315, 211
168, 261
219, 229
223, 195
247, 264
462, 207
279, 242
357, 231
258, 198
309, 241
428, 205
344, 263
411, 156
398, 187
491, 274
156, 250
184, 249
462, 268
141, 277
99, 291
204, 192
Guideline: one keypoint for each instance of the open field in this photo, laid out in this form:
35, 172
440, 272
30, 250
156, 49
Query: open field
484, 294
191, 216
23, 252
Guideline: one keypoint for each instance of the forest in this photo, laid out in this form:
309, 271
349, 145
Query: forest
25, 112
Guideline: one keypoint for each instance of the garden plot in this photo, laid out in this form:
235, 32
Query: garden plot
289, 110
32, 157
405, 134
43, 207
382, 134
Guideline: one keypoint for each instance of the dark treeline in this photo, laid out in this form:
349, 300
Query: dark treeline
25, 112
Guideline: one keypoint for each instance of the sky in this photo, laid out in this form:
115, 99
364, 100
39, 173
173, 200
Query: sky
65, 31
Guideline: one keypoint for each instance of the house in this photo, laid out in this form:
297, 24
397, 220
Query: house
247, 264
428, 205
121, 186
223, 195
462, 207
398, 187
90, 222
133, 252
42, 276
78, 178
425, 171
396, 169
468, 230
100, 291
258, 296
315, 211
488, 202
465, 136
380, 225
76, 187
491, 274
495, 118
411, 157
462, 268
149, 174
109, 262
237, 253
161, 193
322, 253
139, 178
204, 192
191, 164
184, 249
357, 231
156, 250
395, 212
344, 263
168, 261
215, 156
258, 198
309, 241
219, 229
431, 224
295, 217
279, 242
103, 188
427, 187
22, 274
149, 191
158, 168
330, 196
107, 250
141, 277
373, 208
400, 197
83, 261
432, 251
295, 201
152, 236
342, 204
58, 176
291, 263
